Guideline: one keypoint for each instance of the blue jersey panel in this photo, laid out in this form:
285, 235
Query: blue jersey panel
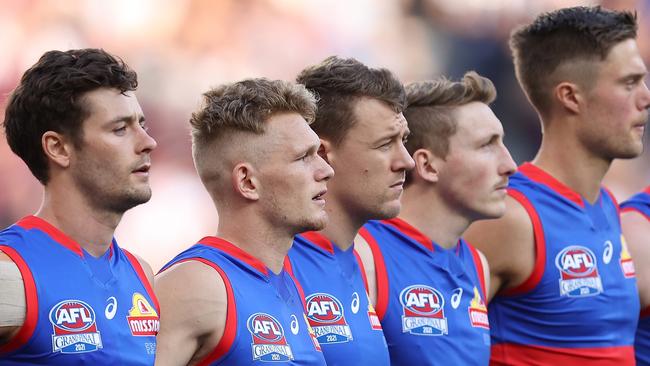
582, 301
78, 314
270, 325
338, 309
641, 203
430, 300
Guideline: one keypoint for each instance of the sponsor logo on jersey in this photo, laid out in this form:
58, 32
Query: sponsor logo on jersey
478, 315
269, 343
578, 272
627, 265
326, 317
375, 324
75, 330
143, 319
423, 311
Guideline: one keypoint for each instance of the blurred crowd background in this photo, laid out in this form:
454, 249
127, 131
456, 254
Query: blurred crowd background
182, 48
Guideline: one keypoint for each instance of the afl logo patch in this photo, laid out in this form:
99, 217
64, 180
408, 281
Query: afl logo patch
326, 317
423, 311
74, 327
578, 272
269, 343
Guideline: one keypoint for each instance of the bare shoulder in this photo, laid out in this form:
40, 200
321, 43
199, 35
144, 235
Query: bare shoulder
12, 299
145, 267
508, 244
193, 307
636, 229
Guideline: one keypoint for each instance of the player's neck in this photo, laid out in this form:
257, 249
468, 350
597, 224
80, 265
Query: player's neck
257, 237
342, 225
571, 164
69, 212
427, 213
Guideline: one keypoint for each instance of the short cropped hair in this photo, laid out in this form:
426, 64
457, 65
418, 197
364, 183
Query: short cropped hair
562, 37
246, 106
339, 83
430, 108
49, 97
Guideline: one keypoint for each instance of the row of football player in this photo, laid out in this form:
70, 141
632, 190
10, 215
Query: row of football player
342, 200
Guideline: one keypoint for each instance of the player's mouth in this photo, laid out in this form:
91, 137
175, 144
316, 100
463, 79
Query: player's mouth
142, 169
319, 198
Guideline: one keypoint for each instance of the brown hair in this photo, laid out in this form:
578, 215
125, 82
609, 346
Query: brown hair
563, 37
246, 105
339, 83
50, 98
430, 110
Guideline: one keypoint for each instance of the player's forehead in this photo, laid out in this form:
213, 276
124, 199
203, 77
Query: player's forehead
375, 118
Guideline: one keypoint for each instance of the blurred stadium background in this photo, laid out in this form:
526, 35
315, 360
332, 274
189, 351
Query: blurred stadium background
181, 48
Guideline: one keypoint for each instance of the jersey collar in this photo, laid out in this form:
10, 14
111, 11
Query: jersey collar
538, 175
235, 251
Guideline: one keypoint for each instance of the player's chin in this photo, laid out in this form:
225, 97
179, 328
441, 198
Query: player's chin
316, 222
388, 210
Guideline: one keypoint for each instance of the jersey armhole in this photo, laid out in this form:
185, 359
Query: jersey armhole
539, 243
362, 268
230, 330
135, 263
634, 209
645, 312
381, 275
478, 266
31, 303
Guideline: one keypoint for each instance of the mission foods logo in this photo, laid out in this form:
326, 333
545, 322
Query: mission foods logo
326, 317
478, 315
75, 330
143, 319
269, 343
423, 311
578, 272
627, 265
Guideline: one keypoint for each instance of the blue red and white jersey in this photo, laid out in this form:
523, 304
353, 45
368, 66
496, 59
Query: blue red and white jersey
580, 304
265, 318
81, 310
430, 300
338, 308
641, 203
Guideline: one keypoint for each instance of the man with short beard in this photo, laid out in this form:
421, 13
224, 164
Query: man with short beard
362, 131
560, 292
69, 295
227, 299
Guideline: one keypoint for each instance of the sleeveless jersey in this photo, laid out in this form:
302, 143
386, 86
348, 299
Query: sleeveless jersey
430, 300
338, 309
77, 314
580, 304
265, 319
641, 204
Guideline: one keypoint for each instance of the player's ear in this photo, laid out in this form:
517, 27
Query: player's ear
245, 181
57, 148
426, 165
570, 96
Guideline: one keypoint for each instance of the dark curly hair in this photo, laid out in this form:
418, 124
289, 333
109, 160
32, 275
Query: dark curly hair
50, 98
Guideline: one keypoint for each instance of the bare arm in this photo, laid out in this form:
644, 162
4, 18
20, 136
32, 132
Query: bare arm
508, 245
12, 299
636, 229
193, 308
363, 249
